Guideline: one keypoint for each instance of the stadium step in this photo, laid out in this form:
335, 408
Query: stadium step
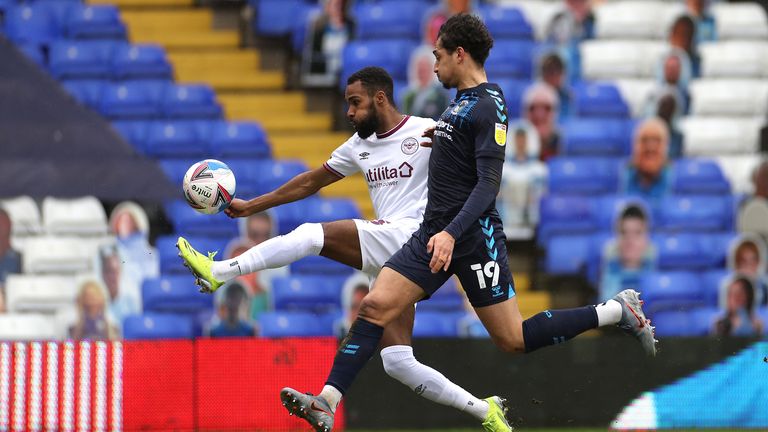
285, 103
278, 122
533, 302
225, 70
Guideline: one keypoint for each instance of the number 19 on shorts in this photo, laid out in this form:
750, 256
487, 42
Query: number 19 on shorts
489, 270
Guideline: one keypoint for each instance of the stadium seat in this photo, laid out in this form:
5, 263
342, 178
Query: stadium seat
391, 54
703, 320
636, 92
673, 323
716, 136
738, 170
131, 100
447, 298
176, 138
599, 99
134, 132
33, 52
597, 137
430, 324
266, 175
514, 90
582, 176
506, 23
310, 293
510, 59
175, 169
729, 97
564, 215
567, 254
319, 265
239, 139
24, 214
686, 251
389, 19
294, 324
27, 327
597, 245
80, 60
77, 216
276, 17
190, 101
712, 282
698, 176
734, 59
612, 59
157, 326
141, 61
95, 22
57, 255
187, 221
39, 293
87, 92
635, 19
171, 263
314, 210
608, 207
31, 23
740, 21
695, 213
670, 291
174, 294
302, 25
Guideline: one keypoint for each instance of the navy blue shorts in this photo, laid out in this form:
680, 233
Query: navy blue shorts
479, 261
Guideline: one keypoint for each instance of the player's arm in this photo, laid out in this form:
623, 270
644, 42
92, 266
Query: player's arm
299, 187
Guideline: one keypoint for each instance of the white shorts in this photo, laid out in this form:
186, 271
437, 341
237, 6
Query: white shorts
380, 239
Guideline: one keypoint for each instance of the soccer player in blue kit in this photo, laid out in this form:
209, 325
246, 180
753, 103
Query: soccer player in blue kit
461, 234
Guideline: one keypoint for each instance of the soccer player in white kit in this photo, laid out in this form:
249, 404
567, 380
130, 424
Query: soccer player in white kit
387, 150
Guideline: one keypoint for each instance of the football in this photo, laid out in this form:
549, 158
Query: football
209, 186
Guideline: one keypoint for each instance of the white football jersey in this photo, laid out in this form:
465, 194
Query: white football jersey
394, 164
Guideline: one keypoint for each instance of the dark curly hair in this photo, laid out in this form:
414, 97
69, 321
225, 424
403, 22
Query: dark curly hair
373, 79
469, 32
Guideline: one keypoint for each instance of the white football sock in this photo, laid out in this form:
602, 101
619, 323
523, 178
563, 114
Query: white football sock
400, 364
276, 252
332, 395
608, 313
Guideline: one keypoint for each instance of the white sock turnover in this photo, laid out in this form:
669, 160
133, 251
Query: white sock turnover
400, 364
332, 395
608, 313
276, 252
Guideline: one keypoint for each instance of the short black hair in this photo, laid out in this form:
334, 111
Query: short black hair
633, 211
469, 32
373, 79
552, 62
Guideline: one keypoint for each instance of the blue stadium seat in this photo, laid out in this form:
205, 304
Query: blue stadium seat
171, 263
95, 22
564, 215
594, 99
187, 221
392, 55
157, 326
446, 299
179, 138
430, 324
59, 11
597, 244
31, 23
608, 208
190, 101
510, 59
294, 324
301, 24
176, 168
276, 17
266, 175
6, 5
703, 320
130, 100
239, 139
567, 254
87, 92
671, 290
506, 23
133, 131
695, 213
673, 323
684, 251
311, 293
586, 176
389, 19
762, 313
712, 281
319, 265
513, 90
597, 137
292, 215
141, 61
33, 52
174, 294
699, 176
80, 60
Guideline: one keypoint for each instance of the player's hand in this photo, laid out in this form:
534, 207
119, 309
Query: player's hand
441, 248
237, 208
428, 133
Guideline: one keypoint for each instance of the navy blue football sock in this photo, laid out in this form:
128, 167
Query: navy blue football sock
557, 326
354, 352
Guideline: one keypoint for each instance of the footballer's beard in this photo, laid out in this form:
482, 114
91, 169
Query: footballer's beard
366, 127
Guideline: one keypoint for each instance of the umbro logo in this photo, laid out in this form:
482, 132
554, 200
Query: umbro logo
364, 155
420, 389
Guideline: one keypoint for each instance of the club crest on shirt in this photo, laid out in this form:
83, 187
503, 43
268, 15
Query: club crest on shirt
409, 145
500, 134
459, 106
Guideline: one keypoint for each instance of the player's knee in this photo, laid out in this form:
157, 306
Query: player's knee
512, 342
371, 309
398, 364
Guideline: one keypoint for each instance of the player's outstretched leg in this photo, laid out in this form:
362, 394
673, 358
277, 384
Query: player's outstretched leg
199, 265
634, 322
315, 410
